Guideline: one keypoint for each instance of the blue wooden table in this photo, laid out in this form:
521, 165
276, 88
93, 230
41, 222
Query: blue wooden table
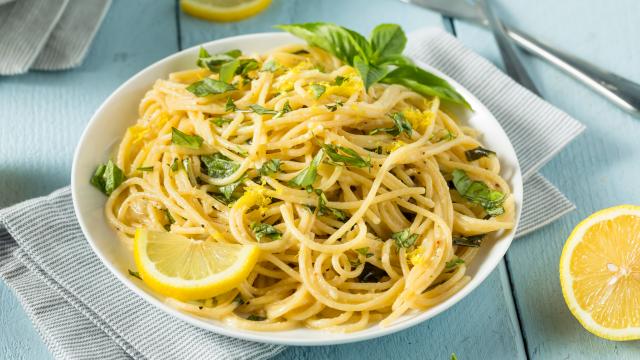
518, 312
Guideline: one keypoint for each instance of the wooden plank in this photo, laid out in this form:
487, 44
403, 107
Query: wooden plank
598, 170
484, 325
43, 115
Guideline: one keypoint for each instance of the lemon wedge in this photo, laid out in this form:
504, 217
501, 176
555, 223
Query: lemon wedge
223, 10
600, 273
188, 269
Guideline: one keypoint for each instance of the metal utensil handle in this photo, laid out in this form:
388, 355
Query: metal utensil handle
623, 92
512, 62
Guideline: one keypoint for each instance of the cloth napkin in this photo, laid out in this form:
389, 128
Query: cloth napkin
82, 311
47, 34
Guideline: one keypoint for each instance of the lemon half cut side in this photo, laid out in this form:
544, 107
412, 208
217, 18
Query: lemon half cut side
600, 273
187, 269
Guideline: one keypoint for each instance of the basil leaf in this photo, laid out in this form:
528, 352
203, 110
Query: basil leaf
450, 265
323, 209
170, 219
228, 70
214, 62
400, 125
317, 90
230, 105
262, 110
349, 157
134, 274
425, 83
270, 66
175, 165
364, 251
218, 166
307, 176
107, 177
188, 141
253, 317
145, 168
339, 80
345, 44
468, 241
477, 153
228, 190
219, 121
387, 40
335, 106
479, 193
270, 167
404, 238
371, 274
238, 299
261, 230
208, 86
369, 73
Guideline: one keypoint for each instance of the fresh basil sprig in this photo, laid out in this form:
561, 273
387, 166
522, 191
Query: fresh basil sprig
378, 59
479, 193
107, 177
261, 230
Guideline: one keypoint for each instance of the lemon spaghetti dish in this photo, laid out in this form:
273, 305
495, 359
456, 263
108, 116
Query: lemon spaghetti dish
325, 185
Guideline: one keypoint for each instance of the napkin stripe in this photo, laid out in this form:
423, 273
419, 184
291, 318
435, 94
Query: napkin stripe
536, 128
542, 205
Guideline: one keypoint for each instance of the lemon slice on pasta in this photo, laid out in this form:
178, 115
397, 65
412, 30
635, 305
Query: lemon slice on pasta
223, 10
188, 269
600, 273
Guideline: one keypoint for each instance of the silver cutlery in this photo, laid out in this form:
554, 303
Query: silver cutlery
620, 91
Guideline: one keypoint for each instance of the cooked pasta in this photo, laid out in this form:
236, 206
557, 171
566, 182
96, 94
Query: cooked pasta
366, 204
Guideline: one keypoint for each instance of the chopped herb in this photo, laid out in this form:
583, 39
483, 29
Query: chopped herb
477, 153
307, 176
170, 219
270, 66
323, 209
371, 274
270, 167
230, 105
188, 141
317, 90
238, 299
301, 52
404, 238
228, 70
214, 62
400, 125
134, 274
175, 165
145, 168
208, 86
349, 157
285, 109
334, 107
219, 166
246, 65
447, 136
265, 230
355, 263
468, 241
478, 193
253, 317
228, 190
261, 110
453, 264
364, 251
219, 121
107, 177
339, 80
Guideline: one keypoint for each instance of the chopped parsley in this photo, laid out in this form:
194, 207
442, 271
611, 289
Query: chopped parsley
404, 238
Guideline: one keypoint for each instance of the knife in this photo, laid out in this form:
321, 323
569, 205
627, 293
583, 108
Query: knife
512, 63
620, 91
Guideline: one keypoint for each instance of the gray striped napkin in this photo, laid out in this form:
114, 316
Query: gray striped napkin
47, 34
82, 311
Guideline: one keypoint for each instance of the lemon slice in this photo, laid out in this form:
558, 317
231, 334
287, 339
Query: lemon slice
187, 269
223, 10
600, 273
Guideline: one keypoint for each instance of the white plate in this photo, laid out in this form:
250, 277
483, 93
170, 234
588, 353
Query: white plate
119, 111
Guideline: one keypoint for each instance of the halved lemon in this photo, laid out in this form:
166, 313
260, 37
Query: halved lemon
188, 269
600, 273
223, 10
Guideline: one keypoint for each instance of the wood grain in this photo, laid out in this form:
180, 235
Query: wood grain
598, 170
